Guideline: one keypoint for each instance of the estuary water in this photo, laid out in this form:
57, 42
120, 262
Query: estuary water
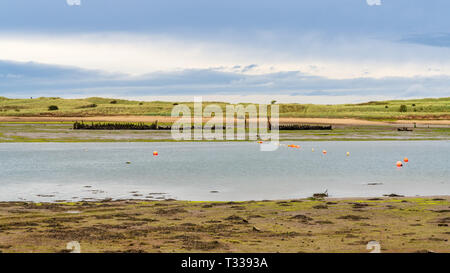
220, 170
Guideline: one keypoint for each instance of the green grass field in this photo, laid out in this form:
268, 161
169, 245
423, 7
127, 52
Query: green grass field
380, 110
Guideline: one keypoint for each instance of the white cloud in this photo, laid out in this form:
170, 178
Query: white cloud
338, 58
374, 2
73, 2
39, 79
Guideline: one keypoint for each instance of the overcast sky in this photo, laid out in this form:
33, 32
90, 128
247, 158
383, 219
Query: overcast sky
320, 51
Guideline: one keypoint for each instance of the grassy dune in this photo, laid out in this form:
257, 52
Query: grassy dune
380, 110
398, 224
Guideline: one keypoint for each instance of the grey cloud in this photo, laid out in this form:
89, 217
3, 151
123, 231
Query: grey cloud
44, 80
435, 39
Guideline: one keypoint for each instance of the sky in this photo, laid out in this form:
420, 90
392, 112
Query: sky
306, 51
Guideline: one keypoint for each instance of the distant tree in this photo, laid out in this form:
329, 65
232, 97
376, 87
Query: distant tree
403, 108
52, 108
273, 102
386, 107
413, 105
113, 102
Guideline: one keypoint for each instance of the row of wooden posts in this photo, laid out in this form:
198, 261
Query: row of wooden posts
154, 126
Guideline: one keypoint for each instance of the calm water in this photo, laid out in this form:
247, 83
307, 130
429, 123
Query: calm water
238, 171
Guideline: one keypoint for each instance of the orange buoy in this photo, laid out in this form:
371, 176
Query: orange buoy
324, 152
405, 159
399, 164
155, 153
260, 142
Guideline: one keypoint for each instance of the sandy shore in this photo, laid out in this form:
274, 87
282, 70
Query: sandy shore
332, 121
398, 224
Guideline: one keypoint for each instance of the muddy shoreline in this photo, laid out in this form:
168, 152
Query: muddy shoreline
63, 132
399, 224
118, 118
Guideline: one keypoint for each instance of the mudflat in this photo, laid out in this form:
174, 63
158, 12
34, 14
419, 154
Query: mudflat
332, 121
398, 224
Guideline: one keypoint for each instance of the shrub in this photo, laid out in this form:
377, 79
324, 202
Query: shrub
403, 108
386, 107
88, 106
113, 102
52, 108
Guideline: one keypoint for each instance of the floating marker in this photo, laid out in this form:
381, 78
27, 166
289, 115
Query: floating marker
399, 164
405, 159
348, 153
312, 150
155, 153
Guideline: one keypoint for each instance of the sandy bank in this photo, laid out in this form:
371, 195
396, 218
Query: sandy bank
333, 121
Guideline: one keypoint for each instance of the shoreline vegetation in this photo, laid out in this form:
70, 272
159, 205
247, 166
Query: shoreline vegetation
63, 132
52, 119
398, 224
416, 109
317, 224
144, 132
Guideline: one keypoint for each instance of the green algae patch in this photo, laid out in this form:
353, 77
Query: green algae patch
345, 225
